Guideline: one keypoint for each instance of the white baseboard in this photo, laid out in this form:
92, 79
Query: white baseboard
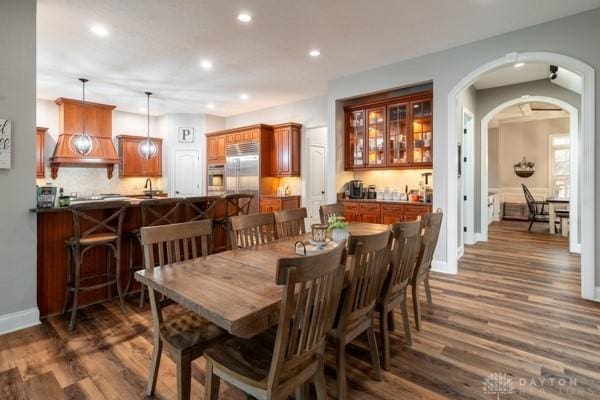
597, 296
460, 251
576, 249
477, 237
19, 320
439, 266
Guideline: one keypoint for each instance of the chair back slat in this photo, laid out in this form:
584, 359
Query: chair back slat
371, 256
405, 250
251, 230
430, 227
200, 207
329, 210
290, 223
86, 224
311, 292
156, 212
177, 241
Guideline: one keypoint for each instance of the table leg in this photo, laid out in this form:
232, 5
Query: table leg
551, 218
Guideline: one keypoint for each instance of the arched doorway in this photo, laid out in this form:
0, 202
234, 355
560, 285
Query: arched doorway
574, 244
587, 155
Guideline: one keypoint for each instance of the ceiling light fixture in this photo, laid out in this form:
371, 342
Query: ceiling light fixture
315, 53
148, 148
244, 96
206, 64
82, 141
99, 30
519, 64
244, 17
211, 106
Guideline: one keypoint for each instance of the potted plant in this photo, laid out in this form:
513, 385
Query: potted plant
338, 227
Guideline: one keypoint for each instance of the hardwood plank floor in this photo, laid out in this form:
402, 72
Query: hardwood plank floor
514, 308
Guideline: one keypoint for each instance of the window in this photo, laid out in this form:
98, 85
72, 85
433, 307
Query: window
560, 165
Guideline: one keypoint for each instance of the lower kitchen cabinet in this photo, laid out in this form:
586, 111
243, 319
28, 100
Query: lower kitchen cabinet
270, 204
386, 213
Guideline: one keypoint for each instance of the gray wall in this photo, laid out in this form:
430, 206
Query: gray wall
575, 36
309, 112
493, 158
17, 103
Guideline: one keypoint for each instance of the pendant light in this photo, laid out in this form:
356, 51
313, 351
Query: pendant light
82, 141
147, 148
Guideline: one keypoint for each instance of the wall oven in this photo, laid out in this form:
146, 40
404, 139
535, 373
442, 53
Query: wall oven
216, 180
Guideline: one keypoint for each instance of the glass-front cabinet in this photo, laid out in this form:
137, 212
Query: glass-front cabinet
355, 139
422, 131
394, 133
376, 137
397, 134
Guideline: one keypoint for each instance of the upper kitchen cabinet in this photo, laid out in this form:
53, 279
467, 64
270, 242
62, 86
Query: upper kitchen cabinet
132, 163
40, 141
391, 133
215, 153
285, 153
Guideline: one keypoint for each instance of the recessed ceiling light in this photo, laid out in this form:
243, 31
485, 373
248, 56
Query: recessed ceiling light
315, 53
206, 64
519, 64
244, 17
99, 30
210, 106
244, 96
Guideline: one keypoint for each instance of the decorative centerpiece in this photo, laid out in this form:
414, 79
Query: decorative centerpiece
319, 235
525, 168
338, 227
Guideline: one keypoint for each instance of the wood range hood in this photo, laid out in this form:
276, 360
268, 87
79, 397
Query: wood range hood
98, 125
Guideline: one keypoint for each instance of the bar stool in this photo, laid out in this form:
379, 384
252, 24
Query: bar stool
237, 204
99, 232
155, 212
199, 208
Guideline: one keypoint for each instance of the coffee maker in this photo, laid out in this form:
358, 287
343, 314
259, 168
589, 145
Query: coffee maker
356, 189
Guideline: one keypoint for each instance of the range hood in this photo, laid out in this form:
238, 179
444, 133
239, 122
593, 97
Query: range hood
98, 124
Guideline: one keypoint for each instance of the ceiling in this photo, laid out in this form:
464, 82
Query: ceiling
525, 112
529, 72
157, 45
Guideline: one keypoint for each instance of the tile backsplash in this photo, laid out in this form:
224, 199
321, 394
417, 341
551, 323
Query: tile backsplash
95, 181
397, 179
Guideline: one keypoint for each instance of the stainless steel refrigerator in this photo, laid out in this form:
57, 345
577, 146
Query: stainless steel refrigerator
242, 171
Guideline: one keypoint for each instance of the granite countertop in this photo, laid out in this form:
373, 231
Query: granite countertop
274, 196
414, 203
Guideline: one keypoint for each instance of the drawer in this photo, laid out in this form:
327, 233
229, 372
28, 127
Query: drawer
350, 206
372, 209
392, 209
270, 202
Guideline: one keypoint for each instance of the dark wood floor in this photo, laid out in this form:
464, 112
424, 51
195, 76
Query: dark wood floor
514, 309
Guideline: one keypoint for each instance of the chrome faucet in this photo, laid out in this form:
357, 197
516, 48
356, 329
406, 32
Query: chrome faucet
148, 182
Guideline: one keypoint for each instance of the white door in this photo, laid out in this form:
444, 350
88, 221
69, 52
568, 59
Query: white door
316, 181
467, 203
186, 173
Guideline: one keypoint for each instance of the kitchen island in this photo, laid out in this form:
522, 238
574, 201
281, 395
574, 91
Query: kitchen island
55, 226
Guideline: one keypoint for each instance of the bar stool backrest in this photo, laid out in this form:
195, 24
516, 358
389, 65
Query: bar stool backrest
87, 222
238, 203
200, 207
157, 212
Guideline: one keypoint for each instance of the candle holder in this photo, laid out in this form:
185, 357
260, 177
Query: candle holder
319, 233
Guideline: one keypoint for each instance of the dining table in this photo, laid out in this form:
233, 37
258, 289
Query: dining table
234, 289
552, 203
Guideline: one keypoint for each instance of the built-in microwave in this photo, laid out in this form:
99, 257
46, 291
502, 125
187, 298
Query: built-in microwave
216, 179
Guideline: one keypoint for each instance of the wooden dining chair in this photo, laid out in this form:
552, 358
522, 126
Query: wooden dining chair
250, 230
329, 210
275, 364
188, 335
537, 209
430, 227
290, 223
371, 256
404, 252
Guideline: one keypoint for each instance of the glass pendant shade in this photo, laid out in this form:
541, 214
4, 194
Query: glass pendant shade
147, 149
82, 143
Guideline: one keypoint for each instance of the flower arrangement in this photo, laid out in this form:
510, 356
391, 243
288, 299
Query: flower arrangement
336, 222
